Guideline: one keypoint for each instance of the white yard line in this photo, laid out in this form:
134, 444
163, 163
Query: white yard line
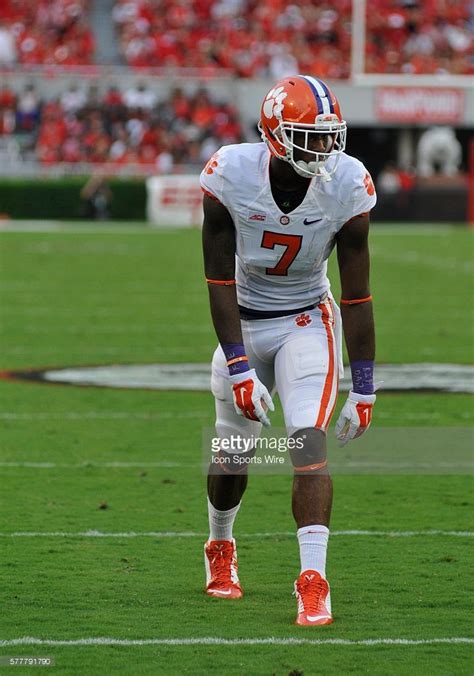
156, 328
92, 464
126, 415
163, 352
343, 466
192, 534
431, 467
428, 229
140, 228
215, 640
418, 258
68, 227
421, 415
105, 415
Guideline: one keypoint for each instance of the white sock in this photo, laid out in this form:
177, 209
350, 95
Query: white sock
313, 541
221, 522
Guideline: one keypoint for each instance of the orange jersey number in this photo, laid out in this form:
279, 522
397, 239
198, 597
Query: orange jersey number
211, 165
369, 184
292, 244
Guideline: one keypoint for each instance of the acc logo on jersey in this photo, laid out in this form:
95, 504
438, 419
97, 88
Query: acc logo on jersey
273, 104
257, 216
284, 220
303, 320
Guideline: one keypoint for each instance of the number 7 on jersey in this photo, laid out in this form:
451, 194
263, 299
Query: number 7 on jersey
292, 244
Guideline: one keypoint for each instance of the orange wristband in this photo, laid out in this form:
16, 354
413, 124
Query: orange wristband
236, 360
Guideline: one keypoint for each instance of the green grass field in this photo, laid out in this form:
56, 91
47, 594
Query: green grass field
78, 459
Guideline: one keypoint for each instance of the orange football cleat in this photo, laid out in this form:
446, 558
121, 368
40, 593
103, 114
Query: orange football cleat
314, 599
222, 580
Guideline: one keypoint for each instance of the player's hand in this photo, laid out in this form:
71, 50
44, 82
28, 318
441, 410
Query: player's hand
355, 417
251, 397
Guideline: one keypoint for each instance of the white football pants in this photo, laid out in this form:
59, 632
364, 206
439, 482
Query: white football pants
299, 356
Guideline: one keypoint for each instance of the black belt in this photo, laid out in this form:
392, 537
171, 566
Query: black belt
249, 314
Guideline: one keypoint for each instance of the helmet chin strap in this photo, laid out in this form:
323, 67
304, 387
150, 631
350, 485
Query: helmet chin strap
311, 169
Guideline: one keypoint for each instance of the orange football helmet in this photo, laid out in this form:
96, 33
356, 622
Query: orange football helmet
294, 111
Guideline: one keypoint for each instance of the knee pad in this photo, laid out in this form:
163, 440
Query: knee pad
309, 453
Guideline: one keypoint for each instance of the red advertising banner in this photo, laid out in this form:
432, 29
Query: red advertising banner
419, 104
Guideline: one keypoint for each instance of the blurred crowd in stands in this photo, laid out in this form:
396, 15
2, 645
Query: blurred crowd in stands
250, 38
253, 38
247, 38
244, 38
45, 32
420, 36
120, 128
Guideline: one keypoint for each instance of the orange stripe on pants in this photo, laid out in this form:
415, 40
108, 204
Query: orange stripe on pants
330, 375
337, 378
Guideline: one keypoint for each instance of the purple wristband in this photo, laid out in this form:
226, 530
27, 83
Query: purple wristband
363, 376
235, 351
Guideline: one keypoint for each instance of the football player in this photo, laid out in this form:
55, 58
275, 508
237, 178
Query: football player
273, 212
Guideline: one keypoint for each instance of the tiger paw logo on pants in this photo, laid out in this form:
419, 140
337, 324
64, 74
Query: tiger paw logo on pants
303, 320
273, 104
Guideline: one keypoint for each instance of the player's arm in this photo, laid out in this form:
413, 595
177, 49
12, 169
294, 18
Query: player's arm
356, 302
218, 236
358, 323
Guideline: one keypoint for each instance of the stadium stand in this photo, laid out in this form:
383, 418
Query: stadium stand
120, 128
45, 32
237, 38
274, 38
410, 37
247, 38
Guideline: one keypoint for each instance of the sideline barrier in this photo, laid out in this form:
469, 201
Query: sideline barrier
174, 201
60, 199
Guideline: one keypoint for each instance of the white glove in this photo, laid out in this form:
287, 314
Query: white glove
355, 417
251, 397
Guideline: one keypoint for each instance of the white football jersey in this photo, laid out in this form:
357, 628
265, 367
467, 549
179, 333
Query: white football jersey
282, 258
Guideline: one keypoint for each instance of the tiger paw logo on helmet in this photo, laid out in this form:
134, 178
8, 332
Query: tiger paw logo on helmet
273, 104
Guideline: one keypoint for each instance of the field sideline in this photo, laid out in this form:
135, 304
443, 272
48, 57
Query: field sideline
102, 506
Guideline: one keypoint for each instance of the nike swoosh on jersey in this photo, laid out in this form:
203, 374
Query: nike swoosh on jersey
306, 222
